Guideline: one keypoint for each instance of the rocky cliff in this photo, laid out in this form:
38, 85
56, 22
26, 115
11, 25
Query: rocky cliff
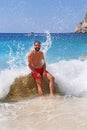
82, 26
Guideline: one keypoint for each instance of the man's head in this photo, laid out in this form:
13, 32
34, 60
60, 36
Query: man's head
37, 45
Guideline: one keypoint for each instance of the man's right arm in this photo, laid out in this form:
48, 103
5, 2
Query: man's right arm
30, 63
31, 67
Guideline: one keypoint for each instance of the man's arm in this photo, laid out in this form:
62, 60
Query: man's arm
44, 66
30, 64
31, 67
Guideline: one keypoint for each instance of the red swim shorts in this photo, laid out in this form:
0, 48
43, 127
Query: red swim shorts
40, 71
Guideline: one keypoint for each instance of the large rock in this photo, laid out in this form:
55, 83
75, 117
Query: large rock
82, 26
25, 86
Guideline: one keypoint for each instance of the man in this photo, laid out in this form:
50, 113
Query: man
36, 63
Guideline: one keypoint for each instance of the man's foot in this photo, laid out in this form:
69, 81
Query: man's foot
52, 94
40, 92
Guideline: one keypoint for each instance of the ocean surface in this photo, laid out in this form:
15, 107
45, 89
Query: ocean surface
66, 58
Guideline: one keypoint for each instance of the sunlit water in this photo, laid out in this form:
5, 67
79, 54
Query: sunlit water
66, 60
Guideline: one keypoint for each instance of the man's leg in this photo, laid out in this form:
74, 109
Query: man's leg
39, 84
51, 84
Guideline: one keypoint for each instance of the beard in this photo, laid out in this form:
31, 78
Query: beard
37, 48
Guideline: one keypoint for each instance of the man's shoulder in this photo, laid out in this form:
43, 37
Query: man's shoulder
30, 53
41, 52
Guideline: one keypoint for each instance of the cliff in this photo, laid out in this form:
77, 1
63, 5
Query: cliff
82, 26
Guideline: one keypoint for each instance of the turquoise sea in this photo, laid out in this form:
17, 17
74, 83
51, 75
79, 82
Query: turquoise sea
66, 58
65, 54
63, 46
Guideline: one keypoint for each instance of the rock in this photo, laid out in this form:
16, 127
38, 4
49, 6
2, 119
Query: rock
25, 87
83, 58
82, 26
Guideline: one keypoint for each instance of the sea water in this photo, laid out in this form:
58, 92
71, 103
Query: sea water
66, 58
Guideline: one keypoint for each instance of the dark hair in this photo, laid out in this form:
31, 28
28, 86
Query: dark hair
37, 42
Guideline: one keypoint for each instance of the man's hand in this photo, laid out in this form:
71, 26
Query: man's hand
38, 75
44, 74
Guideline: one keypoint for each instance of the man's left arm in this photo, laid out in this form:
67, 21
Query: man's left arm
44, 65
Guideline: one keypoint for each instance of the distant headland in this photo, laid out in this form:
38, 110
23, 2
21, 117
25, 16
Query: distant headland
82, 26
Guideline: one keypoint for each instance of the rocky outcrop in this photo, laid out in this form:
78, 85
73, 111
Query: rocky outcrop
25, 87
82, 26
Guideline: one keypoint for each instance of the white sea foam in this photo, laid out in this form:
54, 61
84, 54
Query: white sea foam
47, 44
7, 77
71, 76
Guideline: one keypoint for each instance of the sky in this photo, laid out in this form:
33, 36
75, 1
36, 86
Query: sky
55, 16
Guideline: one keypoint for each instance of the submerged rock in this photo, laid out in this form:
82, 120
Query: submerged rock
25, 86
